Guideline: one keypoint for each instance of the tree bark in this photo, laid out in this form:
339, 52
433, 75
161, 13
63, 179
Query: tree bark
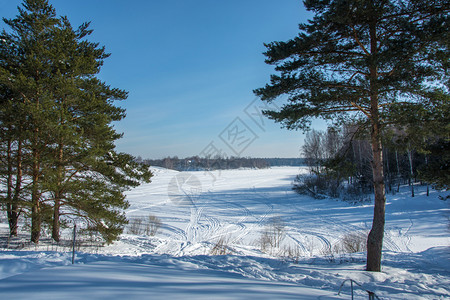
375, 238
14, 190
58, 195
35, 222
35, 195
60, 175
11, 207
376, 234
56, 223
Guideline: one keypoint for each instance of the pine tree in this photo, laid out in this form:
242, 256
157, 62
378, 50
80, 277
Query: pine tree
25, 75
11, 144
49, 70
358, 61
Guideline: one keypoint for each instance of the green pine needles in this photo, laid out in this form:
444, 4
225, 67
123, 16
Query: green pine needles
58, 158
374, 63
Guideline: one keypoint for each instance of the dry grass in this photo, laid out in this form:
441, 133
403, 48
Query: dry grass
221, 247
140, 225
272, 235
153, 225
352, 243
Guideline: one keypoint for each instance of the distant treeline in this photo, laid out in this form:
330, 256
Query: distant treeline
280, 162
220, 163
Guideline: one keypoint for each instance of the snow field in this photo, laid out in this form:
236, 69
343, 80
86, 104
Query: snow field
199, 209
228, 212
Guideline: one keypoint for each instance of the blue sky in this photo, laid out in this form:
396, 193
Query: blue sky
190, 68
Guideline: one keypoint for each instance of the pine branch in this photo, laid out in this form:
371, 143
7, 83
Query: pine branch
359, 42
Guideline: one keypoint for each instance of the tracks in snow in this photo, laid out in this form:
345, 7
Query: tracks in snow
240, 215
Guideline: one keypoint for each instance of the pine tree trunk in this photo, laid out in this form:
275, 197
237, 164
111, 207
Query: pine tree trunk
35, 217
375, 238
35, 201
13, 219
59, 183
18, 184
11, 206
13, 191
56, 223
58, 196
35, 222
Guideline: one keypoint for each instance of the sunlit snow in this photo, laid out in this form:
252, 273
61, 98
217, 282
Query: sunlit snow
233, 208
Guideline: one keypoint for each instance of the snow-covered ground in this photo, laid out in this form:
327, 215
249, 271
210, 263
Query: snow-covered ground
236, 212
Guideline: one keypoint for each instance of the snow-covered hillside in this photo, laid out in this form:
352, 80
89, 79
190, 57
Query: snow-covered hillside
278, 245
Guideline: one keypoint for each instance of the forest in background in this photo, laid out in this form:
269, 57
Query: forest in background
339, 162
196, 163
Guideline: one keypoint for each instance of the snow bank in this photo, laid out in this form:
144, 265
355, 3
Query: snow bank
423, 275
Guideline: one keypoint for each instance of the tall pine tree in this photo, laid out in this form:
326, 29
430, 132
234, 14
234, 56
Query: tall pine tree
62, 137
359, 61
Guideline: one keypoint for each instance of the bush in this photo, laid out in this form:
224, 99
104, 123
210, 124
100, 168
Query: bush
320, 187
272, 235
221, 247
310, 185
292, 253
153, 225
352, 243
135, 226
140, 225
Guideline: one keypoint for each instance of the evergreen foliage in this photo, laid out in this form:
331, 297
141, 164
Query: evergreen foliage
57, 148
363, 61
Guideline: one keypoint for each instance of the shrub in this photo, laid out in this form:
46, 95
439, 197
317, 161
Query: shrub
153, 225
352, 242
135, 226
320, 187
221, 247
272, 235
140, 225
292, 253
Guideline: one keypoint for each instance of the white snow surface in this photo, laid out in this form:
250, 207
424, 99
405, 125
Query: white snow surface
201, 210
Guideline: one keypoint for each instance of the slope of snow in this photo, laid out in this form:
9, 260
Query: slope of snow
128, 280
49, 275
201, 210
